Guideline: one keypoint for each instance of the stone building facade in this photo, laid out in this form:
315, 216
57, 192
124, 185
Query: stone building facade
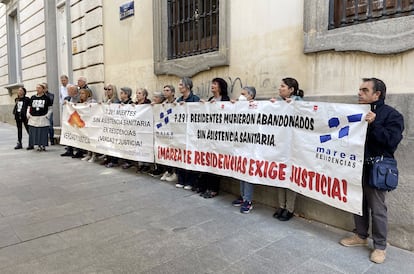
255, 43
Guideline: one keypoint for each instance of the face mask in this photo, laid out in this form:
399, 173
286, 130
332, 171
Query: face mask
242, 98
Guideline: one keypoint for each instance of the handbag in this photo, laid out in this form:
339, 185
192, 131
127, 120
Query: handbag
384, 173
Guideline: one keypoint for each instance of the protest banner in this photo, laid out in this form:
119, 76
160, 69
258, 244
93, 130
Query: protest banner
124, 131
312, 148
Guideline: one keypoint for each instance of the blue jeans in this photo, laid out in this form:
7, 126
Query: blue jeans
246, 191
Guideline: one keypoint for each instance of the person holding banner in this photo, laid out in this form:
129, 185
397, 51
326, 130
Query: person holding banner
246, 189
186, 178
288, 91
384, 133
111, 94
73, 97
125, 99
85, 96
209, 184
169, 95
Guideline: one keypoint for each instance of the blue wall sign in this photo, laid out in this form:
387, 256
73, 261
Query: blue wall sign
126, 10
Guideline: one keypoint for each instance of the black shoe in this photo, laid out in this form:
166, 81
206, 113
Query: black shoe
78, 155
67, 154
18, 146
285, 216
52, 142
278, 212
30, 148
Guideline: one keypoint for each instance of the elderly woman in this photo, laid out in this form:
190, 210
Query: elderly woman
38, 114
111, 94
288, 91
186, 178
19, 112
85, 96
246, 189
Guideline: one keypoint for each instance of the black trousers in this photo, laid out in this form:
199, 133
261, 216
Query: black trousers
19, 124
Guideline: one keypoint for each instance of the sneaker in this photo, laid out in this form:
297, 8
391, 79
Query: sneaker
146, 169
43, 148
246, 207
237, 202
126, 165
78, 155
67, 154
286, 215
92, 159
39, 148
18, 146
156, 173
378, 256
354, 240
86, 158
172, 178
110, 164
164, 176
179, 185
188, 187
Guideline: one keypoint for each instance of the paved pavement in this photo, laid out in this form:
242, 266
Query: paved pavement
62, 215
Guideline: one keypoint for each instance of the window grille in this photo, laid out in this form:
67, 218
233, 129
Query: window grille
192, 27
350, 12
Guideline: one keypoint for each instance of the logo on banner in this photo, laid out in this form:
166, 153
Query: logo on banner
164, 119
75, 120
335, 155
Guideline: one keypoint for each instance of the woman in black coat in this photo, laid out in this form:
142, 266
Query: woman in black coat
19, 112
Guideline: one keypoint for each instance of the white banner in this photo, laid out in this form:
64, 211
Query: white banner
124, 131
313, 148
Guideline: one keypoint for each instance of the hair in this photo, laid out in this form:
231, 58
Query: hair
187, 82
64, 76
70, 86
44, 85
293, 83
83, 78
114, 94
379, 85
127, 90
159, 94
250, 90
24, 91
144, 91
88, 91
171, 87
222, 84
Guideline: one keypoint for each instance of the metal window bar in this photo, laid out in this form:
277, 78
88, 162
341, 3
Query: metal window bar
344, 13
193, 27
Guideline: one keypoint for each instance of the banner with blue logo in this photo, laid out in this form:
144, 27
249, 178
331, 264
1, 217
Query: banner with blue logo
313, 148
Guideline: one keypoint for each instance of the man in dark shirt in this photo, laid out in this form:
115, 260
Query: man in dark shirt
385, 127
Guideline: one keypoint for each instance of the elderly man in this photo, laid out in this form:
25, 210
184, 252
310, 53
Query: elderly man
385, 127
73, 97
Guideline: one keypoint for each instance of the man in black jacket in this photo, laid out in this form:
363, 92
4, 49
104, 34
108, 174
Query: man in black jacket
385, 127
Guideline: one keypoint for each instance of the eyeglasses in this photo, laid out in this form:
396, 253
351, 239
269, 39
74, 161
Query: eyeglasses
107, 88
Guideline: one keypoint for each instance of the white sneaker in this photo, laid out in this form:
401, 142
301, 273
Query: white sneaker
86, 158
179, 185
101, 157
187, 187
92, 159
172, 178
164, 176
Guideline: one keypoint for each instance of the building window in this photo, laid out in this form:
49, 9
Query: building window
350, 12
327, 28
13, 48
192, 27
190, 36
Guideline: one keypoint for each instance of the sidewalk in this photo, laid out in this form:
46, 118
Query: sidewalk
63, 215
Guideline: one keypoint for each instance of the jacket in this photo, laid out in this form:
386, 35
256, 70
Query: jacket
385, 132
